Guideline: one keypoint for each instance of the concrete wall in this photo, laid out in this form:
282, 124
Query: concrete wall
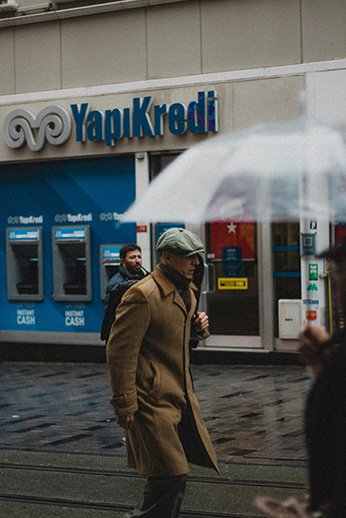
171, 40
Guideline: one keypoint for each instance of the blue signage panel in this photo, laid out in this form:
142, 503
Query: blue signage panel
231, 261
70, 234
111, 252
18, 235
69, 196
162, 227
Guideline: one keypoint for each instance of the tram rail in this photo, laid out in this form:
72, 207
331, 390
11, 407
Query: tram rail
104, 506
21, 498
128, 474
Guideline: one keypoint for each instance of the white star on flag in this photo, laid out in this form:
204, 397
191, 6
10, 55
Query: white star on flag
232, 228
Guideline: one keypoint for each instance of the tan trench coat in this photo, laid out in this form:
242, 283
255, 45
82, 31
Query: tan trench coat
148, 360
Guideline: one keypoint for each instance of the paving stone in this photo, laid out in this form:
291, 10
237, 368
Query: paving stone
250, 411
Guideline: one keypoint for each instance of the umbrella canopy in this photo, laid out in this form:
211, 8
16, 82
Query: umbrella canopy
270, 172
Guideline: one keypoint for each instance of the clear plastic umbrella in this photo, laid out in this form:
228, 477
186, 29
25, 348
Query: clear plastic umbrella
270, 172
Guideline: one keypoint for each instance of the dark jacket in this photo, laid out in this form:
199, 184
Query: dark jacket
121, 276
325, 420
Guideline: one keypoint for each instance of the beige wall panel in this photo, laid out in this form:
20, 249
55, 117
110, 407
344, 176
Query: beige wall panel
104, 49
249, 33
266, 100
6, 61
327, 97
174, 40
37, 51
324, 29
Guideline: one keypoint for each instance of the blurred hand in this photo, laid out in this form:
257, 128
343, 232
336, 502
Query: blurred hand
311, 340
201, 321
126, 421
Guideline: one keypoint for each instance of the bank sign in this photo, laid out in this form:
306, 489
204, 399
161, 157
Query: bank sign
144, 118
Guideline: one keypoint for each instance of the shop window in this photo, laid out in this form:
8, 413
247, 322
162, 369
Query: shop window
8, 6
158, 162
336, 318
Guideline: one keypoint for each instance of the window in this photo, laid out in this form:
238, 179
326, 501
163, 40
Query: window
8, 5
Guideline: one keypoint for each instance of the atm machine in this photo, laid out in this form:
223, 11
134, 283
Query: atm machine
109, 265
72, 263
24, 263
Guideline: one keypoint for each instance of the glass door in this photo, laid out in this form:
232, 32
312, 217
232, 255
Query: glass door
231, 295
232, 277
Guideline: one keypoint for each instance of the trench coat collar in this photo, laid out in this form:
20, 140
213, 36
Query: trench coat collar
167, 286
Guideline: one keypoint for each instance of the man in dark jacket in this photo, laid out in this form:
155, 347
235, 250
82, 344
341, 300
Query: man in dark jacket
130, 267
325, 414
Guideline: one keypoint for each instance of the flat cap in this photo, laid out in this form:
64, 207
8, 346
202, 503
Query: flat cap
179, 241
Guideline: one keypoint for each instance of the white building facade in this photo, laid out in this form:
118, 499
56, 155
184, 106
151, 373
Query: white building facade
96, 98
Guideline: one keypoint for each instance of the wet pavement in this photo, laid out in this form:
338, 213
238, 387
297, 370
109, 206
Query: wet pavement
253, 413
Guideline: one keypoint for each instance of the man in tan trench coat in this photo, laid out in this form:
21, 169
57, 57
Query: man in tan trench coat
152, 393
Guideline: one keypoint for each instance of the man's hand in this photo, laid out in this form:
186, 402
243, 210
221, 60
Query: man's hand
311, 339
126, 421
201, 321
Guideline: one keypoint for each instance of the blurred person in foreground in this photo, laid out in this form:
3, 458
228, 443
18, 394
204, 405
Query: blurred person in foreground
325, 414
152, 392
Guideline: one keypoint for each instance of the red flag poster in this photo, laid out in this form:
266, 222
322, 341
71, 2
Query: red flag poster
340, 233
229, 233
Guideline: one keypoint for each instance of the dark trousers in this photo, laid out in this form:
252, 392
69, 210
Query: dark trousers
162, 498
